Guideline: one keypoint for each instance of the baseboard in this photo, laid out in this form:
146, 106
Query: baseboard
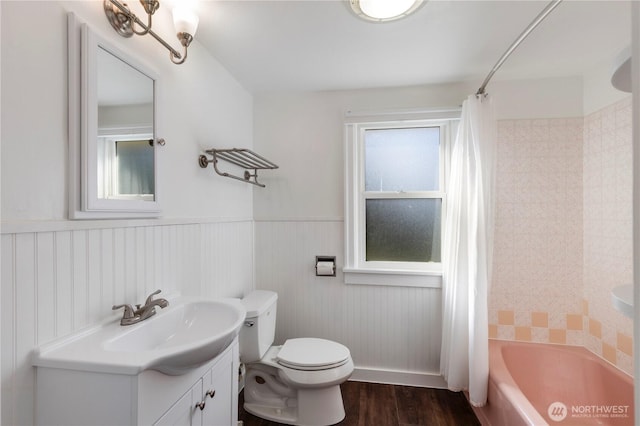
424, 380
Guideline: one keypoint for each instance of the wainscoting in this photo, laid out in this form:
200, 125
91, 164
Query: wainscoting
58, 278
63, 277
393, 332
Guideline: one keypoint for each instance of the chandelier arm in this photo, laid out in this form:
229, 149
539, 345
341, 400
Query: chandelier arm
146, 28
181, 58
137, 20
124, 23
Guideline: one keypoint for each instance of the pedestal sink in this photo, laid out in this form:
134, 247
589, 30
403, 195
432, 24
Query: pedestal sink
183, 336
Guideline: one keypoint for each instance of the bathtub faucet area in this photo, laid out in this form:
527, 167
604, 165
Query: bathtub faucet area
141, 313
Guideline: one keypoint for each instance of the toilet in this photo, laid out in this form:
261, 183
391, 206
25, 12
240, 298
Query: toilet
297, 383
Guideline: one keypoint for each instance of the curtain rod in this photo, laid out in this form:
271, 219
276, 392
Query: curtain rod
547, 10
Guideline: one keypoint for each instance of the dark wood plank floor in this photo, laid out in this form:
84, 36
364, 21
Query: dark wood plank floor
373, 404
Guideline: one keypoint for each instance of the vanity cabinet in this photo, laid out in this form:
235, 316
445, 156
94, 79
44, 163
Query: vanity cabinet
207, 395
206, 403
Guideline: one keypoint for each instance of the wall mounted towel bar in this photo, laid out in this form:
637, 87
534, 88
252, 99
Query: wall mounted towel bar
244, 158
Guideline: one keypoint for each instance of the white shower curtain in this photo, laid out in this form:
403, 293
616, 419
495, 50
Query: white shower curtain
467, 252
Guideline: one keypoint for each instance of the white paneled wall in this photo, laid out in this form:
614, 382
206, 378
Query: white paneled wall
387, 329
62, 280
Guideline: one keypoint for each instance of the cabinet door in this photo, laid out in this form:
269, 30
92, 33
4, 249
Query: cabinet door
184, 412
218, 390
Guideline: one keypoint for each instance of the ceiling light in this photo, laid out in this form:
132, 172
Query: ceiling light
384, 10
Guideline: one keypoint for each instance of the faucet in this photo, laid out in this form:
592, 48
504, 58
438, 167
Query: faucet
141, 313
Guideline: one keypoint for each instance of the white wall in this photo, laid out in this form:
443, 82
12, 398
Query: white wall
202, 106
303, 133
560, 97
59, 276
204, 243
300, 215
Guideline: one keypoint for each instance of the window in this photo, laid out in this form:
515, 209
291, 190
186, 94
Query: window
135, 167
395, 199
126, 167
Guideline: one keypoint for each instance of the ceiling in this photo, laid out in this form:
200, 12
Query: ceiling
321, 45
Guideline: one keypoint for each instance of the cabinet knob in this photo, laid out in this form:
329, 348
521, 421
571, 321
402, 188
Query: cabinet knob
211, 393
200, 405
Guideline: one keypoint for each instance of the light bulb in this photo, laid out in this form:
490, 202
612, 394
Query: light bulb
185, 20
384, 10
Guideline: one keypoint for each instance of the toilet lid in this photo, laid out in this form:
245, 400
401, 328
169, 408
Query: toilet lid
312, 354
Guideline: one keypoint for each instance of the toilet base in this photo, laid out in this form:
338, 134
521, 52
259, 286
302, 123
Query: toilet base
295, 397
285, 415
311, 407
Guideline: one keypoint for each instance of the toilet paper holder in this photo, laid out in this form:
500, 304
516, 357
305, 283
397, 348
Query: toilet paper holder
325, 266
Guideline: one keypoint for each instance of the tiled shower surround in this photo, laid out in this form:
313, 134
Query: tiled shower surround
563, 235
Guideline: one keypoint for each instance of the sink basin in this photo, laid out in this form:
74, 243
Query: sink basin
187, 335
184, 335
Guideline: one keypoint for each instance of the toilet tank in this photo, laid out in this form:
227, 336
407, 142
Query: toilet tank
259, 329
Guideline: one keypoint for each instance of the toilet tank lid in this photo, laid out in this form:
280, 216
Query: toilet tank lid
258, 301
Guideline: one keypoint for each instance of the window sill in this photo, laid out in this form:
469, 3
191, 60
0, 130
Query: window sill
393, 277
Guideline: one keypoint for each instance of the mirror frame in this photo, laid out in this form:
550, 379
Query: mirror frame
83, 129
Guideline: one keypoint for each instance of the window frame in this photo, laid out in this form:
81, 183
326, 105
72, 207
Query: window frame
357, 269
108, 178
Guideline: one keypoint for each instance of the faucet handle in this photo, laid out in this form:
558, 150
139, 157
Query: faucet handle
128, 310
150, 297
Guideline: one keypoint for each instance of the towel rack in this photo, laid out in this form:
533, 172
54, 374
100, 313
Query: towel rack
244, 158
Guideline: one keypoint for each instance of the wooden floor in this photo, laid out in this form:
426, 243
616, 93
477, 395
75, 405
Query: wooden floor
372, 404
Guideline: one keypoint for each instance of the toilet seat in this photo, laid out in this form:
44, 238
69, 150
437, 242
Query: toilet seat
311, 354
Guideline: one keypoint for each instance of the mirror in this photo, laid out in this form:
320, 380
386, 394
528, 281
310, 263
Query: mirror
115, 150
125, 130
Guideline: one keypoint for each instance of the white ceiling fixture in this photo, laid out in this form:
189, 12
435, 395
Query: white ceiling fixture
384, 10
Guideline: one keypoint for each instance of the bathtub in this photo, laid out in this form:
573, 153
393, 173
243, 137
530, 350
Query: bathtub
541, 384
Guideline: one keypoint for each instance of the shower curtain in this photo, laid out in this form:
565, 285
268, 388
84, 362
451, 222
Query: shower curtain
467, 252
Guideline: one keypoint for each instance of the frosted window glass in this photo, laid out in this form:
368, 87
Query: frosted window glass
402, 159
403, 230
135, 167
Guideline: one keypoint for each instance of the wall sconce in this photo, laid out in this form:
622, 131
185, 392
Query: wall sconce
124, 22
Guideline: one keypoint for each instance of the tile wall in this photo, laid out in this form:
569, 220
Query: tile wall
608, 239
563, 232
